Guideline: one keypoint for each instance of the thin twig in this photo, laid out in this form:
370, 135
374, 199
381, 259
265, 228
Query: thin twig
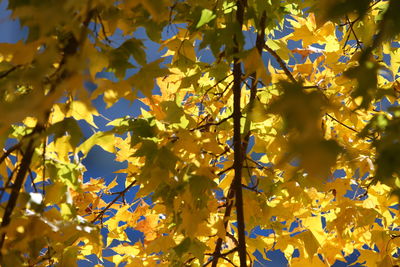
19, 180
32, 181
224, 171
341, 123
103, 29
212, 123
7, 72
8, 183
9, 151
101, 213
222, 255
351, 24
281, 63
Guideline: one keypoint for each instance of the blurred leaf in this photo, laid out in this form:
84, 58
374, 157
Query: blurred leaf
332, 9
206, 16
366, 76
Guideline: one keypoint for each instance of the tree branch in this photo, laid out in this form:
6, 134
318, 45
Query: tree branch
237, 141
101, 213
281, 63
103, 29
9, 151
19, 181
212, 123
7, 72
344, 125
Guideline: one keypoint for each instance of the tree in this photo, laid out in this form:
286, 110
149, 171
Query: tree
275, 127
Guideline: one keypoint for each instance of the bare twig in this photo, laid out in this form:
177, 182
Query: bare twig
225, 170
103, 29
341, 123
9, 151
212, 123
7, 72
101, 213
32, 181
281, 63
19, 180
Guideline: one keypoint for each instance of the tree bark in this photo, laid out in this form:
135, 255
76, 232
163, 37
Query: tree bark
237, 140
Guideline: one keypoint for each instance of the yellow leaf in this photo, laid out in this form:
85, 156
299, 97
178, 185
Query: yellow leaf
103, 139
314, 225
311, 244
258, 112
20, 53
162, 243
81, 111
253, 63
159, 9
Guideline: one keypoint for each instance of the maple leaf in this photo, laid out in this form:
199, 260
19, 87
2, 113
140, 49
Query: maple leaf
238, 127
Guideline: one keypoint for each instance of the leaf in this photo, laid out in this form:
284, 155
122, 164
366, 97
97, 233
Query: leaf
69, 257
331, 10
206, 16
82, 111
311, 244
166, 159
258, 112
68, 125
132, 47
19, 53
319, 167
157, 8
103, 139
173, 111
200, 187
142, 128
387, 161
300, 110
366, 76
253, 63
198, 248
317, 158
119, 57
144, 79
390, 27
182, 247
161, 244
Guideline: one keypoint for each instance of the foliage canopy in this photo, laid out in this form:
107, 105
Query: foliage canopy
268, 125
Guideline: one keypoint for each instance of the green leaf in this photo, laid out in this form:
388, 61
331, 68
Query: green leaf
198, 248
388, 161
206, 16
391, 25
200, 187
68, 125
144, 79
148, 149
166, 159
331, 10
135, 48
366, 76
173, 111
183, 247
142, 128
